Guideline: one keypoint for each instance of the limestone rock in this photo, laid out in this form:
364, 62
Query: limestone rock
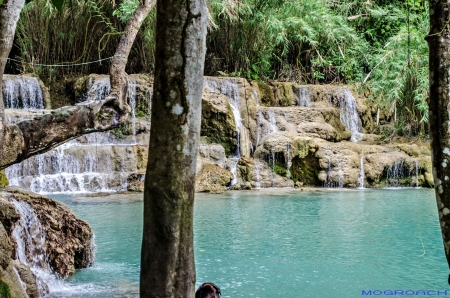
213, 179
68, 239
218, 123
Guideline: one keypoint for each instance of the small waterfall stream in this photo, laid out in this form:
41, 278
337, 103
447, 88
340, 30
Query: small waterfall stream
349, 115
304, 97
417, 172
31, 251
361, 173
330, 181
20, 92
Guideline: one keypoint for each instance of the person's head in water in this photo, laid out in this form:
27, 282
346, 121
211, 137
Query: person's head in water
208, 290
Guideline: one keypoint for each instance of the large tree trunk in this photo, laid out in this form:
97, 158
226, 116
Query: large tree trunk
28, 138
9, 15
439, 104
167, 257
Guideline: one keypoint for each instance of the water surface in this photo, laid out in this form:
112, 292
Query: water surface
278, 243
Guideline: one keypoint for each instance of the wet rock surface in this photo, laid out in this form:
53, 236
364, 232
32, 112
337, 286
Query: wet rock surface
67, 244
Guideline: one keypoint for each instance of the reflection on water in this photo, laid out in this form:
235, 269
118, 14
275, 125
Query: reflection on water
278, 243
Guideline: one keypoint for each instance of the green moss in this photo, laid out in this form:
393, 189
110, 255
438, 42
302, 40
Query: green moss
306, 170
3, 179
279, 170
5, 292
122, 131
265, 92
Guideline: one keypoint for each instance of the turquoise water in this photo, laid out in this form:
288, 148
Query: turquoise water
279, 243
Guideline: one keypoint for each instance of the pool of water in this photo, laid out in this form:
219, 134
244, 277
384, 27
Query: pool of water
278, 243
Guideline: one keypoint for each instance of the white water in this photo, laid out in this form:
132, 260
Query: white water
304, 97
395, 173
417, 173
22, 93
255, 96
97, 89
257, 171
31, 251
272, 121
132, 100
233, 169
331, 182
288, 161
231, 91
72, 167
349, 115
361, 173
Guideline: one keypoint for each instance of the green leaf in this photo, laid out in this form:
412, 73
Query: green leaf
1, 1
57, 3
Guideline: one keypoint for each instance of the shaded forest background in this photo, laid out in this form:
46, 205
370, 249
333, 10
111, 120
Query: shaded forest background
377, 45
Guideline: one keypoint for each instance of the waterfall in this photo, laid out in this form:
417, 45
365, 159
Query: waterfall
73, 167
255, 96
349, 115
21, 92
30, 239
257, 174
97, 89
233, 169
330, 181
258, 128
361, 172
132, 100
396, 173
231, 91
417, 172
272, 121
288, 160
304, 97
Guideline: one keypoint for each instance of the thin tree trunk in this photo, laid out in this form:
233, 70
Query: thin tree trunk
32, 137
118, 76
167, 257
439, 64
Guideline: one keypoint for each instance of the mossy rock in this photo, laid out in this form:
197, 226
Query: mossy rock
267, 97
3, 179
284, 94
306, 170
5, 291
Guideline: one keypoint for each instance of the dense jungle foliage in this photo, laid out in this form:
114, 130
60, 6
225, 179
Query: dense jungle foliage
377, 44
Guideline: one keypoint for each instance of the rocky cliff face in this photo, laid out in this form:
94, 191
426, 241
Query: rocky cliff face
253, 135
39, 239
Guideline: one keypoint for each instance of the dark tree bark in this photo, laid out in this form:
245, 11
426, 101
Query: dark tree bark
167, 256
439, 104
9, 15
28, 138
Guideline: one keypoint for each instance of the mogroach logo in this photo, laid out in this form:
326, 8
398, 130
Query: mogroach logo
429, 293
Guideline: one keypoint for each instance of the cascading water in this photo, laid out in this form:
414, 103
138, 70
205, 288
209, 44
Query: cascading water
361, 172
272, 121
330, 181
349, 115
97, 89
255, 96
231, 90
288, 161
257, 174
22, 93
31, 251
304, 97
72, 167
397, 173
417, 173
132, 99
